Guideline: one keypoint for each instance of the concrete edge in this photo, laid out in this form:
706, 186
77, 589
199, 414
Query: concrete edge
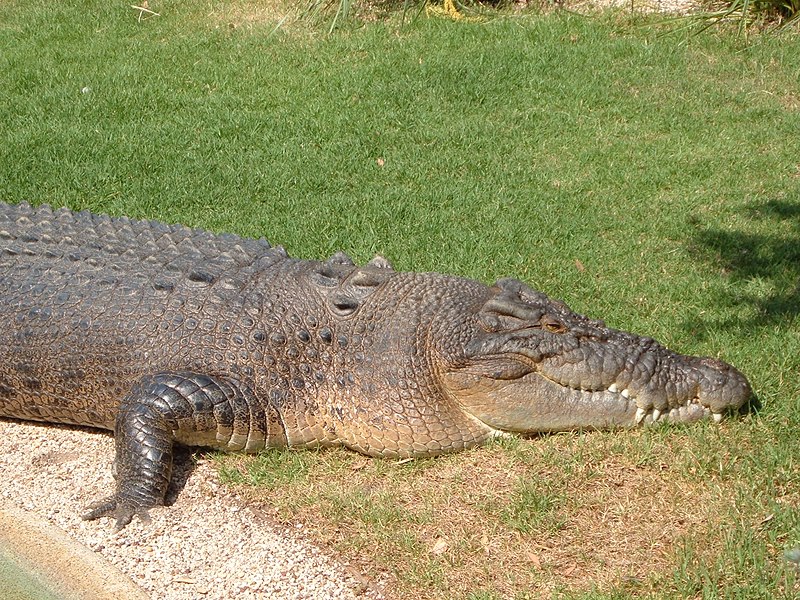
69, 566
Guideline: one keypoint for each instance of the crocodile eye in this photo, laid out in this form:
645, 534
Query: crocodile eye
551, 325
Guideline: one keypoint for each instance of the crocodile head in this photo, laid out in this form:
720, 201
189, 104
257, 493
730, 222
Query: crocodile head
528, 364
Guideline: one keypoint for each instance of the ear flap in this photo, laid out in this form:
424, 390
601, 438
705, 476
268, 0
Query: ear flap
505, 310
516, 306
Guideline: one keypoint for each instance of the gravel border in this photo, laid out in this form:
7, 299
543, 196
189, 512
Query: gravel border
208, 545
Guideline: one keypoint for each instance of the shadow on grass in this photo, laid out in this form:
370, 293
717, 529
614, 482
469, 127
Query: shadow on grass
762, 262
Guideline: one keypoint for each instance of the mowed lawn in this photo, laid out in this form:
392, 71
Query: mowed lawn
650, 180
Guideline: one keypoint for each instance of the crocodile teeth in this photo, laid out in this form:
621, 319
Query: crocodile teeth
625, 393
640, 415
717, 417
656, 414
613, 388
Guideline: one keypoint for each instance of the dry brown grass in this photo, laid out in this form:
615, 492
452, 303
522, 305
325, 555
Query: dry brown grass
791, 101
255, 14
617, 512
251, 13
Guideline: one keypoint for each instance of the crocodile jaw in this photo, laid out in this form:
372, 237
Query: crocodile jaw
534, 403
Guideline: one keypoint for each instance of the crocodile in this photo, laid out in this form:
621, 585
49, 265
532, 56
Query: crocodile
168, 335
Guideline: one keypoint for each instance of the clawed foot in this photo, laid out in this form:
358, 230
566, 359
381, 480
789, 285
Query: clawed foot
119, 509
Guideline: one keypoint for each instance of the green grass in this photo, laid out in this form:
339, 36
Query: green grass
531, 509
651, 181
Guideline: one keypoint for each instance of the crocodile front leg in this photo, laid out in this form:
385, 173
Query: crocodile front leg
186, 408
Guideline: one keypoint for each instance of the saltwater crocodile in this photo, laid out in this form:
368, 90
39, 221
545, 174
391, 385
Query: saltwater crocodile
169, 335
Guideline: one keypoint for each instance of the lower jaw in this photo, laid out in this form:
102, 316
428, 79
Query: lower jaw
687, 413
609, 410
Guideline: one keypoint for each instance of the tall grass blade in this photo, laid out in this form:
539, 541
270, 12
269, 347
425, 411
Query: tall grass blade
342, 12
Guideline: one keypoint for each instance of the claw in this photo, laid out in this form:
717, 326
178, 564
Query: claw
717, 417
656, 414
122, 512
640, 415
102, 508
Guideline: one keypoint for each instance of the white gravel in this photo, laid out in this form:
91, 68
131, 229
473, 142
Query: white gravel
208, 545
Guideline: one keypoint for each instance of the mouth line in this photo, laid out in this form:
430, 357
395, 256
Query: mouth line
689, 410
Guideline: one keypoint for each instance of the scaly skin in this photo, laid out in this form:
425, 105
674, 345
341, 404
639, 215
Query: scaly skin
169, 335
